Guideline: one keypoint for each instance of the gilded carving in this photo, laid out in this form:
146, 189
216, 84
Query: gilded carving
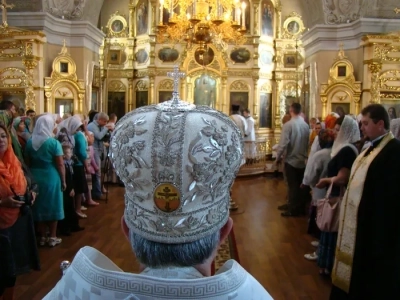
266, 88
11, 78
239, 85
120, 74
167, 85
389, 80
142, 85
117, 26
11, 50
293, 26
116, 86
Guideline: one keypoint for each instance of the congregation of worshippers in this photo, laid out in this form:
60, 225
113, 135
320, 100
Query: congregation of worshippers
52, 172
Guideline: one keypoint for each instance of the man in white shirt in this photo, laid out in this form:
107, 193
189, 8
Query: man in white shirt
294, 142
249, 137
178, 163
239, 120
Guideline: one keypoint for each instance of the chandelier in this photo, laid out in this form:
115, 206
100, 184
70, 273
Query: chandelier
202, 22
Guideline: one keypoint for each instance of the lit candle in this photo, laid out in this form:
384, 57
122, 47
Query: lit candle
194, 9
188, 16
243, 15
237, 12
161, 11
218, 11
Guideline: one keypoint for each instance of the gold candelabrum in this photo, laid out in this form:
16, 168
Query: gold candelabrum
202, 22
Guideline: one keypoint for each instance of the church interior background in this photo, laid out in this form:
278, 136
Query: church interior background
73, 56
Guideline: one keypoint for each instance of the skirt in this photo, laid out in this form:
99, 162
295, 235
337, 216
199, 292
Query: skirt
80, 183
326, 250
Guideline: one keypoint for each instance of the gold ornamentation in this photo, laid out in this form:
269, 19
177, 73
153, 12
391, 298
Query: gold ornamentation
4, 7
63, 76
116, 86
167, 197
11, 50
266, 88
11, 78
239, 85
293, 26
166, 84
142, 85
121, 74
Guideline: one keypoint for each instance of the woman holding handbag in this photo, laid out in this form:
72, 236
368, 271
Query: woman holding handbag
343, 155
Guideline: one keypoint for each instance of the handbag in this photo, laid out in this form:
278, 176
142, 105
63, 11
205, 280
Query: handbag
328, 210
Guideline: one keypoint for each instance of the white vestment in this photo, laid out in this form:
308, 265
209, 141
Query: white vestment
249, 139
240, 122
93, 276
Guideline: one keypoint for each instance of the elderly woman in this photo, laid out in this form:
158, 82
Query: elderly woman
73, 127
343, 155
44, 155
21, 127
317, 168
18, 252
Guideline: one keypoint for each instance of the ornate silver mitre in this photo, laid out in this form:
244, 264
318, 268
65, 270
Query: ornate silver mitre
178, 162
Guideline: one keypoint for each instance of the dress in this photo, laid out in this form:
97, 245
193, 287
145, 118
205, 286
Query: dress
327, 244
49, 203
92, 275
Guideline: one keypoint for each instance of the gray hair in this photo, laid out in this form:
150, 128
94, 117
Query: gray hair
101, 115
155, 255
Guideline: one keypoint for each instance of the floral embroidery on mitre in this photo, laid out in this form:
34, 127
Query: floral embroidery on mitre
178, 167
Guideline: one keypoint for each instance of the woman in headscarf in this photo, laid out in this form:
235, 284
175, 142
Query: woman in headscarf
317, 168
343, 155
395, 128
72, 129
44, 155
18, 252
330, 120
20, 127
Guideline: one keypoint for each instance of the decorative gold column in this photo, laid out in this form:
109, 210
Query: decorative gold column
278, 117
256, 98
151, 90
130, 94
375, 68
324, 101
278, 13
131, 19
256, 30
30, 62
47, 106
223, 104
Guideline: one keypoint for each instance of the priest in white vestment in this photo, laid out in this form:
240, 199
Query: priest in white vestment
250, 136
178, 163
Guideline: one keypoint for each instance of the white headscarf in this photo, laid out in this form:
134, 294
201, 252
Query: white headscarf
43, 130
349, 133
71, 124
395, 127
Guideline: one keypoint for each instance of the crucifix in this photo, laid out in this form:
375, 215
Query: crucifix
4, 7
168, 196
176, 75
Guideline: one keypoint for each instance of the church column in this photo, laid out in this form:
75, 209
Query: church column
131, 19
278, 11
256, 29
222, 106
277, 104
183, 90
375, 68
47, 106
130, 94
152, 91
255, 101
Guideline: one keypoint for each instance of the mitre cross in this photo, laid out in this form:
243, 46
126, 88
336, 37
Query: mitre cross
4, 7
176, 75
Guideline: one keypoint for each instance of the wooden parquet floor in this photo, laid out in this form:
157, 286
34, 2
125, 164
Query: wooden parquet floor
270, 247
